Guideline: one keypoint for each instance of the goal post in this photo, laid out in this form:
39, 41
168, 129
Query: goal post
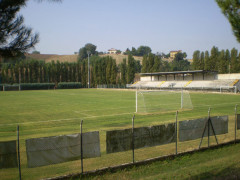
148, 101
11, 87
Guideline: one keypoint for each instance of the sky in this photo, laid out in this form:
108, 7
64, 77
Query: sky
163, 25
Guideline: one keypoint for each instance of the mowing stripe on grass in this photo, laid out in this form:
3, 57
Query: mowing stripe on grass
57, 120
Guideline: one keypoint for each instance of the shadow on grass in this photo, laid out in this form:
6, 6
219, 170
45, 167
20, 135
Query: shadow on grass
230, 172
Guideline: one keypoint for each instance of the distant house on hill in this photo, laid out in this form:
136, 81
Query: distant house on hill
173, 53
112, 51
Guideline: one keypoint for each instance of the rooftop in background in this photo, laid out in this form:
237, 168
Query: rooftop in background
173, 53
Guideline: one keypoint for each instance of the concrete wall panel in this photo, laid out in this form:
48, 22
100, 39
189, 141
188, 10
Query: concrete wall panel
58, 149
121, 140
8, 154
238, 121
193, 129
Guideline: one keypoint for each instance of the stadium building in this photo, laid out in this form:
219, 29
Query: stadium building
190, 80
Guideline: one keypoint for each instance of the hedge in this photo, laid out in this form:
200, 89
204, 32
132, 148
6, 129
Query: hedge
37, 86
69, 85
41, 86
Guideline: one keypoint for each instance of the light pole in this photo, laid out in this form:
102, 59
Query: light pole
88, 52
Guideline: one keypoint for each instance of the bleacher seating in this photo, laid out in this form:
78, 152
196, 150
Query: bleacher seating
197, 85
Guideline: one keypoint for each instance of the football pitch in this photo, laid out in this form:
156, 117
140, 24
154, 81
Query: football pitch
59, 112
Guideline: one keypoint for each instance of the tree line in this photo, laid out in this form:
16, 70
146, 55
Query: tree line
154, 63
140, 51
223, 61
103, 70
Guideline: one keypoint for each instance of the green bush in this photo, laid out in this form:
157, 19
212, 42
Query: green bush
69, 85
37, 86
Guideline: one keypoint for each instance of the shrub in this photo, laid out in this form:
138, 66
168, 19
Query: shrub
69, 85
37, 86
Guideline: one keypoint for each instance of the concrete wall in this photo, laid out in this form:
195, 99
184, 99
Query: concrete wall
210, 76
145, 78
229, 76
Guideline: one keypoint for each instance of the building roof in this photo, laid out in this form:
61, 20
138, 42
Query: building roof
178, 72
176, 51
112, 49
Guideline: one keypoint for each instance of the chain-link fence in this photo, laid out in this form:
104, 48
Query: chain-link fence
46, 149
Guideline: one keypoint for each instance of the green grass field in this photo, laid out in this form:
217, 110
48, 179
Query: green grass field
58, 112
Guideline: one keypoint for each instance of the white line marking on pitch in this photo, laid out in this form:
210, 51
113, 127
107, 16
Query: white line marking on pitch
79, 112
58, 120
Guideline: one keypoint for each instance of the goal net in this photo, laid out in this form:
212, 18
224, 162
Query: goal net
162, 101
8, 87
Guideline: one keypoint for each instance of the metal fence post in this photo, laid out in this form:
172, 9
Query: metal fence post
235, 123
18, 147
81, 146
182, 99
136, 100
133, 137
176, 134
208, 126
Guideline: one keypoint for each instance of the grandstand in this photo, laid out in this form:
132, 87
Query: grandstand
190, 80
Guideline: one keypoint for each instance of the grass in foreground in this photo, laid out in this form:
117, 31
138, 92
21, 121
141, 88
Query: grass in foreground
222, 163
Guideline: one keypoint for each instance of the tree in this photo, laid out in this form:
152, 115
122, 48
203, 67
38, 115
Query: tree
58, 71
214, 59
145, 64
143, 50
179, 63
150, 62
228, 60
127, 51
84, 73
157, 63
222, 62
41, 74
134, 51
114, 72
130, 69
36, 52
83, 52
207, 63
138, 66
95, 73
234, 61
123, 70
15, 37
196, 60
230, 8
16, 73
109, 70
91, 48
26, 77
202, 61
